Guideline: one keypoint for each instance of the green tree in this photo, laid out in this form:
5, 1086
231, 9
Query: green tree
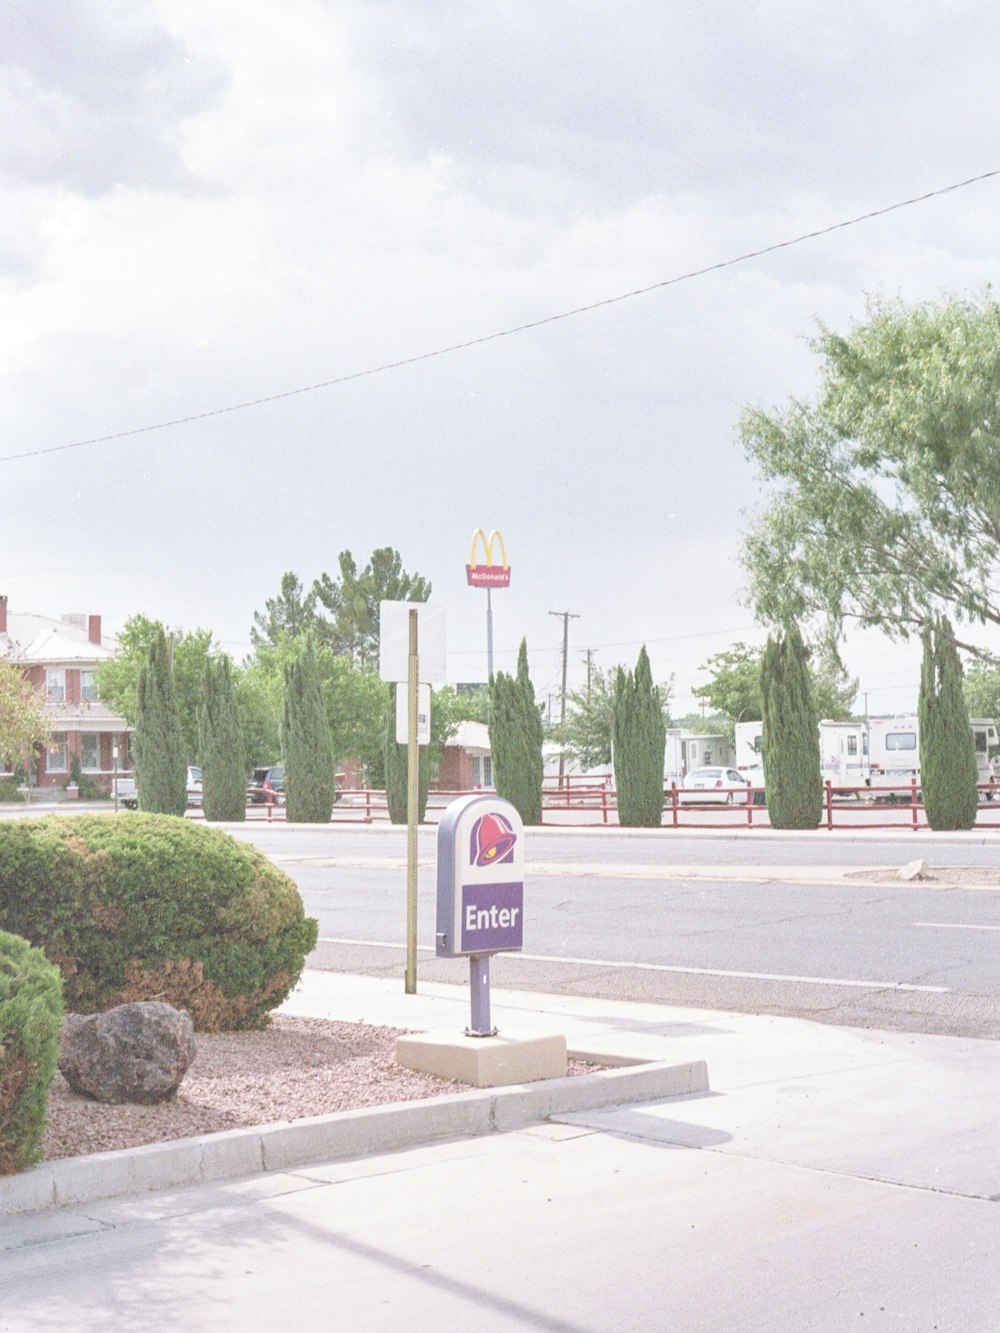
948, 773
638, 746
118, 678
353, 696
981, 686
735, 688
306, 743
223, 770
516, 740
23, 723
291, 614
888, 507
585, 736
397, 769
352, 601
158, 743
792, 775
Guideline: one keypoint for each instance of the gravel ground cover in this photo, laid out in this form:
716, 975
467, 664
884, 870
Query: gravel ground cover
295, 1067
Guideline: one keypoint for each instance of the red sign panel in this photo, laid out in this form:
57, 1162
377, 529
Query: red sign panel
488, 575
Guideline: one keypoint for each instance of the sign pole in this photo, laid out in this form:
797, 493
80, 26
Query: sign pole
489, 635
412, 809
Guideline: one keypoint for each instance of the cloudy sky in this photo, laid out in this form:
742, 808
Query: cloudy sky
209, 205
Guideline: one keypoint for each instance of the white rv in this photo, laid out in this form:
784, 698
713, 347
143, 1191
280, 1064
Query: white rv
894, 749
842, 746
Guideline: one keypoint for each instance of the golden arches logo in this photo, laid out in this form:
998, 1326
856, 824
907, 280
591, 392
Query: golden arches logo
488, 574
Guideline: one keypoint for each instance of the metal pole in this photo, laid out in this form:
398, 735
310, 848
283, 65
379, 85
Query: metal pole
479, 990
412, 809
489, 634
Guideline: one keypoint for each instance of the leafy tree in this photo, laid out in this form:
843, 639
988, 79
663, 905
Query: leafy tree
353, 697
118, 678
23, 723
585, 736
948, 773
735, 687
792, 776
981, 686
158, 743
352, 601
290, 614
516, 740
638, 746
306, 743
889, 502
397, 769
223, 771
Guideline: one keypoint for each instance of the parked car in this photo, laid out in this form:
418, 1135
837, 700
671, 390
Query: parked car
267, 784
128, 793
716, 785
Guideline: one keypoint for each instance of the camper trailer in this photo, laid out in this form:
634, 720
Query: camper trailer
894, 749
843, 753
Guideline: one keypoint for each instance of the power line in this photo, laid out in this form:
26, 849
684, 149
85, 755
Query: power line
514, 329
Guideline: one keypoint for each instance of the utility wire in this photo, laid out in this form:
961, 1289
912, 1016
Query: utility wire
514, 329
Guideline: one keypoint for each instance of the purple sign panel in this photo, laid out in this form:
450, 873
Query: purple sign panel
492, 917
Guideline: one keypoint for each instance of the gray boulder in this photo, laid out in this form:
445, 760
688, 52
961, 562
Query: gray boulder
134, 1053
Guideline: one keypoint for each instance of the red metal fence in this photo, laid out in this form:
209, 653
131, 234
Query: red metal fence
588, 802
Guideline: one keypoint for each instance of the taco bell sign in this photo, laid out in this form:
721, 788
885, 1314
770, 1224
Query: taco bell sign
480, 881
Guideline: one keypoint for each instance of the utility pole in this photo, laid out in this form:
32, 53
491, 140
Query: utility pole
565, 617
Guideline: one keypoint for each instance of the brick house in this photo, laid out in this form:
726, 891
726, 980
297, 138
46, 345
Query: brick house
466, 760
62, 657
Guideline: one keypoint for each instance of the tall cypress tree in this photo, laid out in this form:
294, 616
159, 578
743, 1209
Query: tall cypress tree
793, 780
397, 769
158, 743
638, 746
310, 763
516, 738
948, 772
220, 745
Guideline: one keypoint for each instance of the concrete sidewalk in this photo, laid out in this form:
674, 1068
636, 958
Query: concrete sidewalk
831, 1179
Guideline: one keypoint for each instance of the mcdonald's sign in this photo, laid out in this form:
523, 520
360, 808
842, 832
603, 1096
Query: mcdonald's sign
488, 574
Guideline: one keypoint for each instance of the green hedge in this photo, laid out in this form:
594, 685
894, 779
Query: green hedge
143, 906
31, 1007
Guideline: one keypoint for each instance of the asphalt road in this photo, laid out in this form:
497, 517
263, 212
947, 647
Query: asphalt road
779, 924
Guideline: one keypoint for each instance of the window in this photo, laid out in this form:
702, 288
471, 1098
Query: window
852, 746
90, 752
55, 685
482, 770
55, 753
88, 686
900, 740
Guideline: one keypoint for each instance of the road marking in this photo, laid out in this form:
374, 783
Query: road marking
953, 925
683, 971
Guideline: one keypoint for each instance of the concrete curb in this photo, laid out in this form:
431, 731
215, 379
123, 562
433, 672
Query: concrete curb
70, 1181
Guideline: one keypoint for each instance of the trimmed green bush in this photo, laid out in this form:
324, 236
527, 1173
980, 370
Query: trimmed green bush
948, 773
516, 739
31, 1008
638, 746
397, 769
140, 907
793, 778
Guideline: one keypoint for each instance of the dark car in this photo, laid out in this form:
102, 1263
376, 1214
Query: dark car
267, 784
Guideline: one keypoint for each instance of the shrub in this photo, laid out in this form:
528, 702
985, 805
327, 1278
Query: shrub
516, 740
9, 793
948, 773
139, 907
638, 746
792, 776
31, 1008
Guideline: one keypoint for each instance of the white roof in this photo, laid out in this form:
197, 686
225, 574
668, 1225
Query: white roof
43, 639
472, 736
